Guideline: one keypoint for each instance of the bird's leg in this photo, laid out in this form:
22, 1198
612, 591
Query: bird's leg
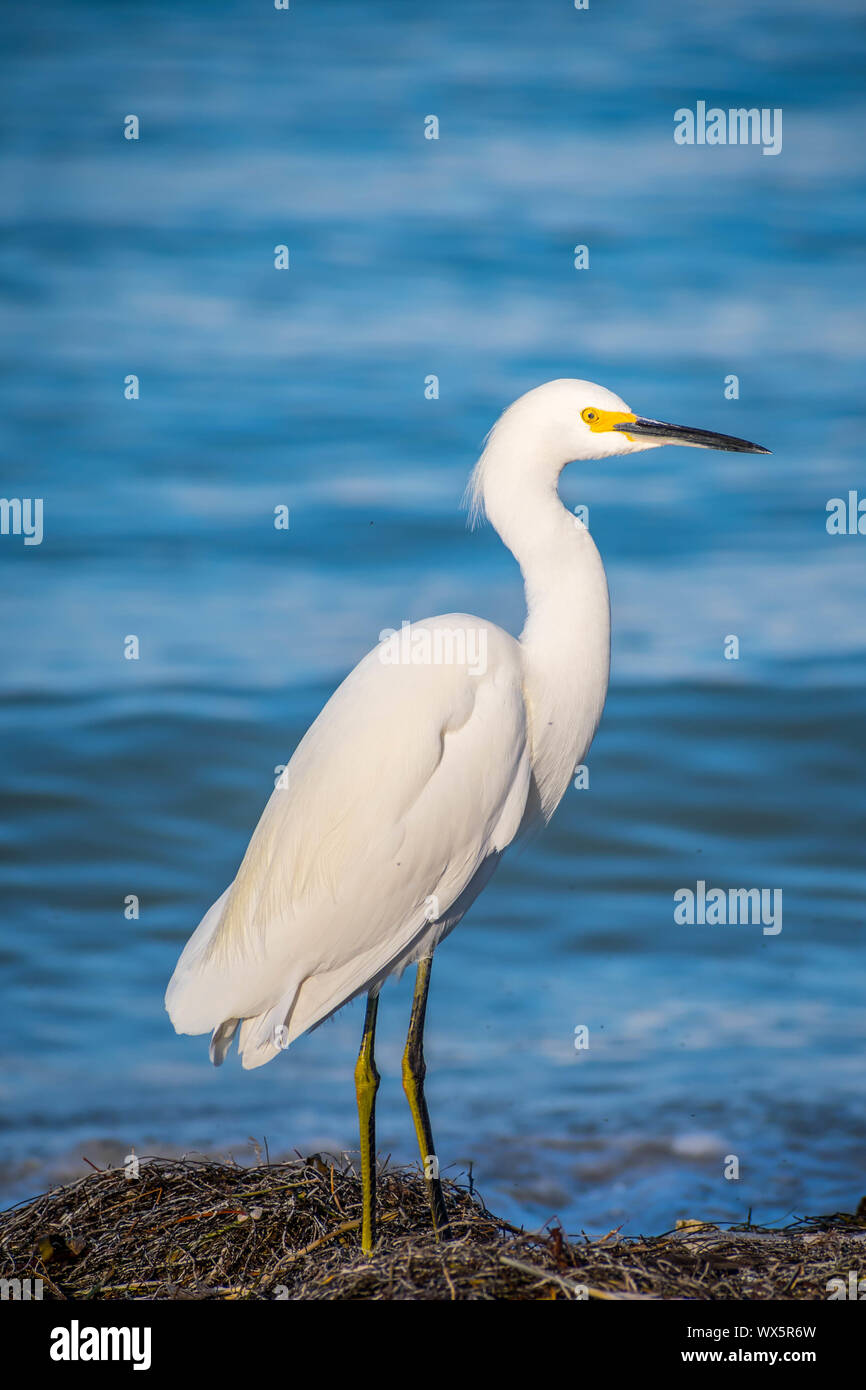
414, 1070
366, 1086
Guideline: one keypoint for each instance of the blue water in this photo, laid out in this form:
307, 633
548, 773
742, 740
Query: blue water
453, 257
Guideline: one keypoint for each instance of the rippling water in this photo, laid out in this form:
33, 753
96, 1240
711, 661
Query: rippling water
408, 258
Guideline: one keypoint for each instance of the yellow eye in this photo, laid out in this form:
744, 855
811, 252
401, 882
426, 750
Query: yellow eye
589, 415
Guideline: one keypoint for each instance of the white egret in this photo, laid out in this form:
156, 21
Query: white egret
426, 763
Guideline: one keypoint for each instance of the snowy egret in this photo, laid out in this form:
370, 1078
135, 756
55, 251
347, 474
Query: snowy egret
431, 758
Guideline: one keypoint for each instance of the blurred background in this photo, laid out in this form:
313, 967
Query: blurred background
409, 258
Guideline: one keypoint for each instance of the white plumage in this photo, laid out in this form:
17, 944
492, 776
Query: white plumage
382, 817
413, 780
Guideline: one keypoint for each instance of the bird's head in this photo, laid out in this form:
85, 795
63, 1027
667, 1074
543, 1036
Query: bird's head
584, 421
562, 422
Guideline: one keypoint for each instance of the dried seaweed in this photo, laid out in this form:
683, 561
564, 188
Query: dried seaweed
197, 1229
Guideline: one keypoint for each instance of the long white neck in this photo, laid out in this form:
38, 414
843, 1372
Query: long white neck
566, 638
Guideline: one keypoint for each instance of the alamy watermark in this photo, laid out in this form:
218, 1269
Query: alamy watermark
719, 907
22, 516
77, 1343
434, 646
738, 126
853, 1287
846, 516
20, 1290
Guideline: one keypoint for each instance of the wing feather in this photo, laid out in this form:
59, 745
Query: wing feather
412, 779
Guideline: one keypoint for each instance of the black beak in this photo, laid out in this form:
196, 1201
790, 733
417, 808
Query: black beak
683, 434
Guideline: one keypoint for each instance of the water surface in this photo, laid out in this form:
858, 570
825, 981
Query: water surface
306, 388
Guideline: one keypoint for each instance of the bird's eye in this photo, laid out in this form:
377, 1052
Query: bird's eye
589, 415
